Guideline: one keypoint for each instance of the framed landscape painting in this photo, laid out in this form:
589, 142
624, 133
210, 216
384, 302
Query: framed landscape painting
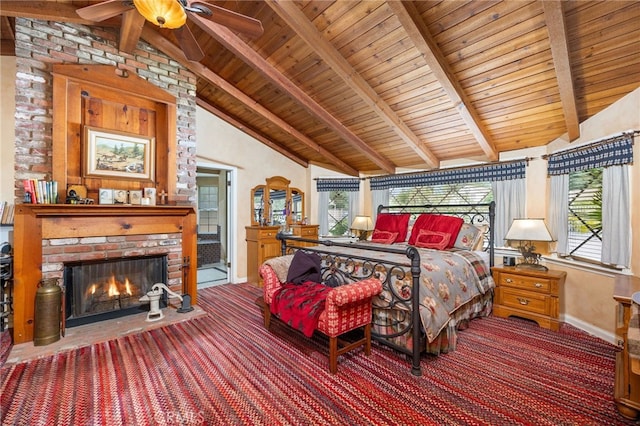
120, 155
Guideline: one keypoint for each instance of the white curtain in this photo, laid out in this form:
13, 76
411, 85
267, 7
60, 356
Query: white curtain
323, 213
353, 206
616, 223
509, 196
379, 197
559, 212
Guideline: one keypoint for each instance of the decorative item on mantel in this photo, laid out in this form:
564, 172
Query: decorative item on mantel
526, 231
150, 195
40, 191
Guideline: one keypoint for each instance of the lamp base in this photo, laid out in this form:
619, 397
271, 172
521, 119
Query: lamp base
362, 235
533, 266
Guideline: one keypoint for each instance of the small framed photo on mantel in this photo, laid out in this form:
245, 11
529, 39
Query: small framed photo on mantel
120, 196
150, 196
105, 196
135, 197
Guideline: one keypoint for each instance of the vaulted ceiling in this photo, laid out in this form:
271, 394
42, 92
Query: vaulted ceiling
377, 86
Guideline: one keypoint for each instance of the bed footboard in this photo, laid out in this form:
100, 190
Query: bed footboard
339, 268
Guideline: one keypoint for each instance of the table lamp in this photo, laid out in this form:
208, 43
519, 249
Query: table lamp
362, 224
526, 231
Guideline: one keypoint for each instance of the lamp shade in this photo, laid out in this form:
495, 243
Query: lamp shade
529, 230
362, 223
163, 13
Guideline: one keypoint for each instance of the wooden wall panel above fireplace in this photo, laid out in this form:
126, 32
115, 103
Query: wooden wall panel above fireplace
108, 98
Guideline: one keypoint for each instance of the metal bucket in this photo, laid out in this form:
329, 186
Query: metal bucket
47, 312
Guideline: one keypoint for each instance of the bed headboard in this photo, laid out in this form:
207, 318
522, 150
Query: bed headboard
475, 214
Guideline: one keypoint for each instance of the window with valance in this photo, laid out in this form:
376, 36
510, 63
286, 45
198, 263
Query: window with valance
589, 200
337, 204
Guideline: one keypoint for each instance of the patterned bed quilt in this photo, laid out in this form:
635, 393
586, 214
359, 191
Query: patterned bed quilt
448, 280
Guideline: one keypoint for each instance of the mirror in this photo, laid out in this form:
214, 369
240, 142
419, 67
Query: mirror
276, 204
297, 206
258, 203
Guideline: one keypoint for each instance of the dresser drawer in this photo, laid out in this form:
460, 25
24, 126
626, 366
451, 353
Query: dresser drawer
309, 232
525, 301
267, 233
541, 285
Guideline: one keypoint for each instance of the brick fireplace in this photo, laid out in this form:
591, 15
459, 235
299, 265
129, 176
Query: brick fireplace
52, 234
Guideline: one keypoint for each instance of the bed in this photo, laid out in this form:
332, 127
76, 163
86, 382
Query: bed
435, 284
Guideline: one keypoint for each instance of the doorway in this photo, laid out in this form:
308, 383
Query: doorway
213, 226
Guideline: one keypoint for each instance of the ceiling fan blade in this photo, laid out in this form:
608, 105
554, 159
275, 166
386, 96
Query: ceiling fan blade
105, 10
188, 43
233, 20
130, 30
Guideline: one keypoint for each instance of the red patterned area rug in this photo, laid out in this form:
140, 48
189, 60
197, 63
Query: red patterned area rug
226, 369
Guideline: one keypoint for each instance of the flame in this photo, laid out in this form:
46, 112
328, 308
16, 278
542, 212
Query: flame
127, 287
113, 287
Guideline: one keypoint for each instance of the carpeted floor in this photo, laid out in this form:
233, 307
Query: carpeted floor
226, 369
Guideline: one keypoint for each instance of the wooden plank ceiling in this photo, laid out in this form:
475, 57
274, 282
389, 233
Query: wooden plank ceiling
379, 86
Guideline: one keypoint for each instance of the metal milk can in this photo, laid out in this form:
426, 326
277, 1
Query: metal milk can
47, 312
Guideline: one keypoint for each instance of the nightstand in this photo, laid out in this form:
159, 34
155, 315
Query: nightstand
528, 293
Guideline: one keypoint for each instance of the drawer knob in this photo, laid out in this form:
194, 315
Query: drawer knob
509, 280
538, 285
523, 301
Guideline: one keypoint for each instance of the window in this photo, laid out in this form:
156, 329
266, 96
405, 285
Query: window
338, 213
585, 214
207, 209
451, 193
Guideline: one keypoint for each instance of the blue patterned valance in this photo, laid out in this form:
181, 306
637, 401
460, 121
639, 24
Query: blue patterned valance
616, 152
337, 184
483, 173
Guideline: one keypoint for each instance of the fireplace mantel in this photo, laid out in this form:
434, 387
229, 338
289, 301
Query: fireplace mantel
37, 222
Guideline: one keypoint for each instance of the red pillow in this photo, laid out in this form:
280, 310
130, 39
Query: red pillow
384, 237
393, 222
432, 239
437, 223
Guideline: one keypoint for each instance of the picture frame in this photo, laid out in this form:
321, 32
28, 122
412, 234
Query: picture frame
112, 154
135, 197
120, 196
105, 196
150, 193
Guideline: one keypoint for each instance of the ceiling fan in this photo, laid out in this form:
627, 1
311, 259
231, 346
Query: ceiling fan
171, 14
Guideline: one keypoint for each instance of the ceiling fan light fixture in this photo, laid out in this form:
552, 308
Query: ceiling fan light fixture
163, 13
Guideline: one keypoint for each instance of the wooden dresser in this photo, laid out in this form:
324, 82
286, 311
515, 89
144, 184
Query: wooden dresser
627, 385
261, 245
528, 293
304, 231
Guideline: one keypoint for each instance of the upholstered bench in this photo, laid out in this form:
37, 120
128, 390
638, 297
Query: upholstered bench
347, 307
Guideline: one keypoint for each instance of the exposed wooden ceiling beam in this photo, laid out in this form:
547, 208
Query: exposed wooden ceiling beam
45, 10
241, 126
419, 34
554, 17
233, 43
297, 20
164, 45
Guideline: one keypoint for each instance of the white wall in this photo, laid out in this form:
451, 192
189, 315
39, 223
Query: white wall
7, 135
7, 132
221, 143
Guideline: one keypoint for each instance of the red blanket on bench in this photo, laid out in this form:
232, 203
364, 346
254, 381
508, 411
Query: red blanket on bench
300, 305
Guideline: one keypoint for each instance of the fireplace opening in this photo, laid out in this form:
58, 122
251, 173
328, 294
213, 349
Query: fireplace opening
97, 290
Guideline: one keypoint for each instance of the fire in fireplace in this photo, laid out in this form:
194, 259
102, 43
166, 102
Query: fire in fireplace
102, 289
